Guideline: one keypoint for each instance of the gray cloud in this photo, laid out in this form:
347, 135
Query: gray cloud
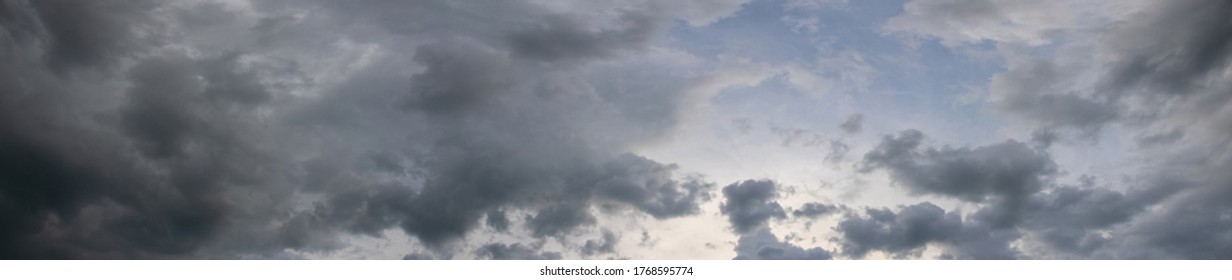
79, 34
814, 210
155, 130
605, 244
497, 220
751, 204
502, 133
853, 124
460, 77
561, 38
1006, 173
763, 245
838, 150
1013, 186
262, 142
647, 186
1194, 34
164, 175
1069, 220
418, 256
1163, 138
1043, 92
516, 251
906, 233
1190, 224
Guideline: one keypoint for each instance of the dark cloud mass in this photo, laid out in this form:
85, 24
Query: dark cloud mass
751, 204
1017, 196
548, 130
229, 148
1005, 173
906, 232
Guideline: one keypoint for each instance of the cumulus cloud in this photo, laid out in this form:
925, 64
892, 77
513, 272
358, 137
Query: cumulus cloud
905, 233
751, 204
1157, 70
605, 244
764, 245
1006, 173
1018, 201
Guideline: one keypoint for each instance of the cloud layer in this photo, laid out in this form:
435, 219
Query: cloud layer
541, 130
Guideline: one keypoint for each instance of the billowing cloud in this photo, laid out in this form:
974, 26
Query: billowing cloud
1005, 173
751, 204
260, 143
763, 245
905, 233
554, 130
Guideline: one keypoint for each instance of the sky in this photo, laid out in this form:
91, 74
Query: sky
640, 129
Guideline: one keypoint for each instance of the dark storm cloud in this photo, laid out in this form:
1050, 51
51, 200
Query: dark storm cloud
79, 191
516, 251
497, 220
763, 245
558, 219
507, 132
223, 147
853, 124
1006, 173
460, 76
906, 232
78, 33
751, 204
496, 129
1178, 53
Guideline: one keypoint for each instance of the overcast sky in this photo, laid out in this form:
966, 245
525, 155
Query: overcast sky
542, 129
